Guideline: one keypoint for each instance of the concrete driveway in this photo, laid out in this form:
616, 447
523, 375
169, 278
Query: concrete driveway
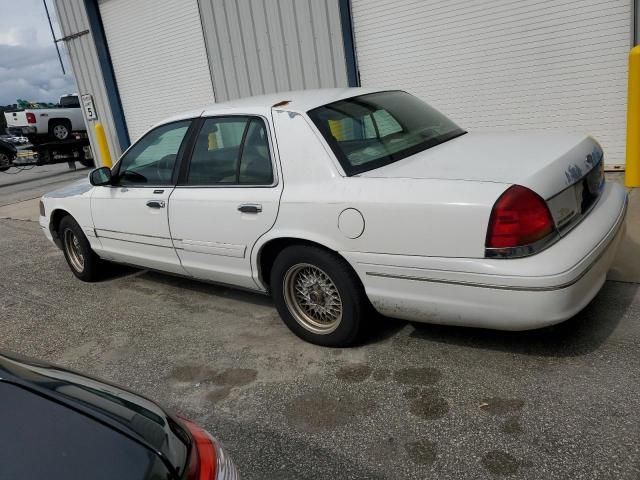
415, 401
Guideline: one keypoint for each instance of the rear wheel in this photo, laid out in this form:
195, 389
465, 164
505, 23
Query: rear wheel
83, 261
59, 130
318, 296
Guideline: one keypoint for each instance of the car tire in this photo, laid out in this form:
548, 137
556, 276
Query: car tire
87, 162
318, 296
59, 130
5, 162
82, 260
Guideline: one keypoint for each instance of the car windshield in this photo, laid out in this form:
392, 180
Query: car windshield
376, 129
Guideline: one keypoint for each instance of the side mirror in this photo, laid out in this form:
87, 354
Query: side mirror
100, 176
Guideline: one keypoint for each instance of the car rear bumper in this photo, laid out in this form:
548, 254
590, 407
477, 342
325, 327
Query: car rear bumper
22, 130
505, 294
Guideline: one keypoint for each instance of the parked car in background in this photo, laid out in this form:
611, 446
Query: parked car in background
8, 153
48, 123
14, 140
61, 425
337, 200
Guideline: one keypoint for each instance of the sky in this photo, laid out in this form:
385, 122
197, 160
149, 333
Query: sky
29, 66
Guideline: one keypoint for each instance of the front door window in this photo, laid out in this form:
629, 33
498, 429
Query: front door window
151, 161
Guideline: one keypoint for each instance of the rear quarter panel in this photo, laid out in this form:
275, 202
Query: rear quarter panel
403, 216
77, 120
42, 120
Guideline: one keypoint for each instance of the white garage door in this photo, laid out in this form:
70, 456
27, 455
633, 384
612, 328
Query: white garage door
159, 59
505, 64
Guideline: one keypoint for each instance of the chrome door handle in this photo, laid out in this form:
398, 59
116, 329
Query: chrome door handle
250, 208
156, 204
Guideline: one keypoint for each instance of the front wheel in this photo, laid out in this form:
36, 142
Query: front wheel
5, 162
318, 296
82, 260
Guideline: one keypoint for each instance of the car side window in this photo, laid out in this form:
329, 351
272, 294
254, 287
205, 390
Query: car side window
255, 162
150, 162
231, 151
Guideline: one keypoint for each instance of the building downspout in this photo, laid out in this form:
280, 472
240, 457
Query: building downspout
346, 21
104, 58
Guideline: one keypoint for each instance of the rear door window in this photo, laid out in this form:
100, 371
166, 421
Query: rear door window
231, 151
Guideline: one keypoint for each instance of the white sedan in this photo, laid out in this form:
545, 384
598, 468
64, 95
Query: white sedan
339, 201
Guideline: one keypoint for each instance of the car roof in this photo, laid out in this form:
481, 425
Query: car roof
296, 101
299, 101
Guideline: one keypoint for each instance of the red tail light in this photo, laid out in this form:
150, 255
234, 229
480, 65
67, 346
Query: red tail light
203, 462
520, 217
207, 461
31, 118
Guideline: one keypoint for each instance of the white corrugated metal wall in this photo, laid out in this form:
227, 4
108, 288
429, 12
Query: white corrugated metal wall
159, 59
261, 46
88, 74
505, 64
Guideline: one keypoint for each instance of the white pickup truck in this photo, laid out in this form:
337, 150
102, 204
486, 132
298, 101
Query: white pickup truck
48, 123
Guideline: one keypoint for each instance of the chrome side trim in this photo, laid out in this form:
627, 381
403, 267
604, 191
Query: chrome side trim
523, 250
133, 241
479, 285
128, 233
211, 248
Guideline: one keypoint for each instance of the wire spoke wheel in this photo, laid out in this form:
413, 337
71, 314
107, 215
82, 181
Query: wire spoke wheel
74, 250
312, 298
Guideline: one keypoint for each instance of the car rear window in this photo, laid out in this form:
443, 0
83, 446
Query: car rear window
373, 130
42, 439
70, 102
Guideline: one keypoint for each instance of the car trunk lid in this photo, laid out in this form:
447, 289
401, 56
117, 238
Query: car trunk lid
564, 169
544, 162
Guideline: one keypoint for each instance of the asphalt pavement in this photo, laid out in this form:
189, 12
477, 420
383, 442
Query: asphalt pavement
18, 185
413, 402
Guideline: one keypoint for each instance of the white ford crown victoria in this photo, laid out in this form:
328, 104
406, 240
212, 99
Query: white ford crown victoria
335, 201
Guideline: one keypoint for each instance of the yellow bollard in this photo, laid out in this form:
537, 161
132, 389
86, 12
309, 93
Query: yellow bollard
101, 138
632, 167
212, 141
337, 129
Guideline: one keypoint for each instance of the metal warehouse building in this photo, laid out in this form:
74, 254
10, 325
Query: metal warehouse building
488, 64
